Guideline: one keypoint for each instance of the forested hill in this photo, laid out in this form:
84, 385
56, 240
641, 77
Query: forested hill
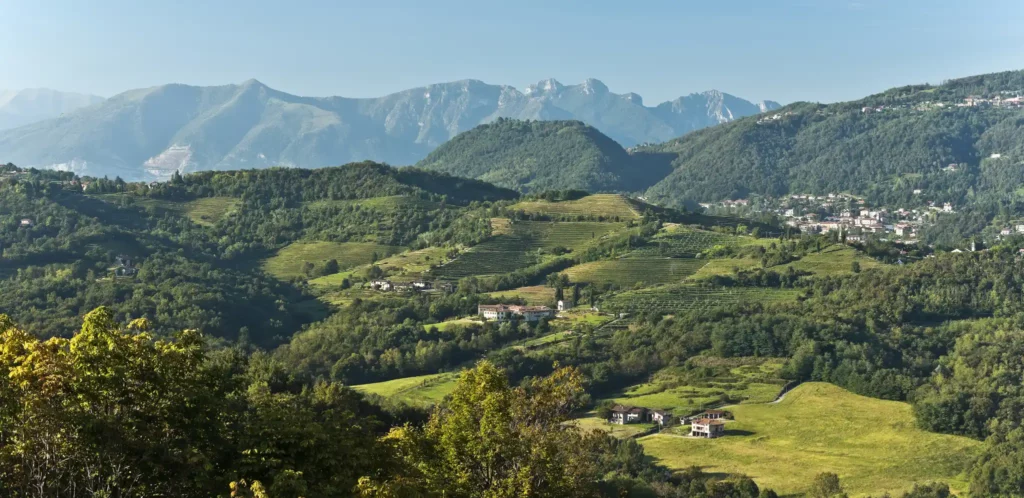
543, 155
884, 146
353, 181
194, 244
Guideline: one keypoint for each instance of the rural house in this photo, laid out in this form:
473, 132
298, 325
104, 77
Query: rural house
715, 414
627, 414
661, 417
27, 223
381, 285
706, 427
503, 312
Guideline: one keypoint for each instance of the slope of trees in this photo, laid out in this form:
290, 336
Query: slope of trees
543, 155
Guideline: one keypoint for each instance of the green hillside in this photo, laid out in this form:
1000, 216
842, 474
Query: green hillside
543, 155
872, 445
883, 146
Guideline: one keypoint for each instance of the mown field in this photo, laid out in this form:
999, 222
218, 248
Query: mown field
516, 246
609, 206
288, 261
627, 272
706, 382
873, 445
423, 390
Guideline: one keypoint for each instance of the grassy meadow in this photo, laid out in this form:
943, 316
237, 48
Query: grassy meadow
611, 206
288, 261
873, 445
423, 390
707, 381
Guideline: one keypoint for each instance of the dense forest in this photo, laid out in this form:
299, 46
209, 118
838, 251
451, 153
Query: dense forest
59, 265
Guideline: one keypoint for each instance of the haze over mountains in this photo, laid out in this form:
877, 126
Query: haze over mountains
22, 107
150, 133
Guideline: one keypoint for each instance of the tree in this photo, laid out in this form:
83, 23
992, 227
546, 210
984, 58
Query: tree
855, 267
494, 440
826, 485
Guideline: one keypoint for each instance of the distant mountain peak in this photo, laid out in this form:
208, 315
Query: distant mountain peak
143, 134
594, 86
549, 85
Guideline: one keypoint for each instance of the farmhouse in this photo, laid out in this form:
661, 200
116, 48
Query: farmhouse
661, 417
503, 312
27, 223
627, 414
381, 285
706, 427
715, 414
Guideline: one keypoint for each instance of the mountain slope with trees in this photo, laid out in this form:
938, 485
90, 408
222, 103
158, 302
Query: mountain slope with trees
884, 146
542, 155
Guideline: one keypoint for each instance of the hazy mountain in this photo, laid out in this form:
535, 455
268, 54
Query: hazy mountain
22, 107
149, 133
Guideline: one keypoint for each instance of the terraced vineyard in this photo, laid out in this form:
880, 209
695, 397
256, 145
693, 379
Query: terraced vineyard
628, 271
516, 247
682, 243
692, 297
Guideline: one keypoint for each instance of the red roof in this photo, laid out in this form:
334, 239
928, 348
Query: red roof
707, 421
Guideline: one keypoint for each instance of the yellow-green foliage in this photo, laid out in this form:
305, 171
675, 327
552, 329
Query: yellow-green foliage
535, 295
288, 262
873, 445
423, 390
744, 380
627, 272
607, 205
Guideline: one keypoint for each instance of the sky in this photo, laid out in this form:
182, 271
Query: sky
783, 50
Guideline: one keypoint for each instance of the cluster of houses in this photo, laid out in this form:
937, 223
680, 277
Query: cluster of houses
506, 312
383, 285
707, 424
844, 213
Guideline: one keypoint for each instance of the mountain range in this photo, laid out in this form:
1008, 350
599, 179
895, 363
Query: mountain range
22, 107
961, 142
150, 133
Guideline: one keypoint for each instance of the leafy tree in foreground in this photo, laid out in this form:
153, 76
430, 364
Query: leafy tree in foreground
494, 440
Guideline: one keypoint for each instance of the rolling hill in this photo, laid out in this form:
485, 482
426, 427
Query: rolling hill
150, 133
543, 155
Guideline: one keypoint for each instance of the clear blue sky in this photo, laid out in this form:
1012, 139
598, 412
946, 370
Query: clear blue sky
786, 50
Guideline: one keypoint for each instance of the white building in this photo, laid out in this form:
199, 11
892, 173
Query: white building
502, 312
